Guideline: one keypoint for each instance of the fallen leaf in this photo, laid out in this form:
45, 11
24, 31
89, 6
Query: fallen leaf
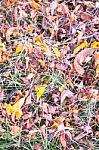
39, 91
9, 2
80, 58
1, 46
64, 94
1, 94
96, 60
95, 44
81, 46
68, 81
19, 48
36, 6
19, 103
56, 51
62, 139
15, 130
9, 32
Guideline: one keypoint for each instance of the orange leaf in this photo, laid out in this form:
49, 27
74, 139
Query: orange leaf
68, 81
36, 6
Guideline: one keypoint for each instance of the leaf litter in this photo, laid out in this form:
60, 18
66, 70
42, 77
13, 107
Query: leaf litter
49, 73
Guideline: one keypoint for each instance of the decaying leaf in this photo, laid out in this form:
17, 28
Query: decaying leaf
80, 58
39, 91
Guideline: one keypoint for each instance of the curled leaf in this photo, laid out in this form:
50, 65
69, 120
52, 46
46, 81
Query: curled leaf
81, 46
80, 58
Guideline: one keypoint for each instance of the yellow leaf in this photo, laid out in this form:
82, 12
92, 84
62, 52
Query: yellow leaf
19, 48
61, 89
1, 46
39, 91
18, 113
36, 6
45, 48
10, 109
56, 51
81, 46
39, 40
95, 44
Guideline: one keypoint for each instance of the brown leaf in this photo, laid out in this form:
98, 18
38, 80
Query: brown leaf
42, 132
63, 139
80, 58
64, 94
9, 32
1, 94
86, 16
15, 130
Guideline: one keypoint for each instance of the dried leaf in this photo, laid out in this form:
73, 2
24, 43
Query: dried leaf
19, 48
68, 81
95, 44
1, 94
81, 46
80, 58
1, 46
63, 140
15, 130
56, 51
19, 103
64, 94
36, 6
39, 91
39, 41
9, 32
